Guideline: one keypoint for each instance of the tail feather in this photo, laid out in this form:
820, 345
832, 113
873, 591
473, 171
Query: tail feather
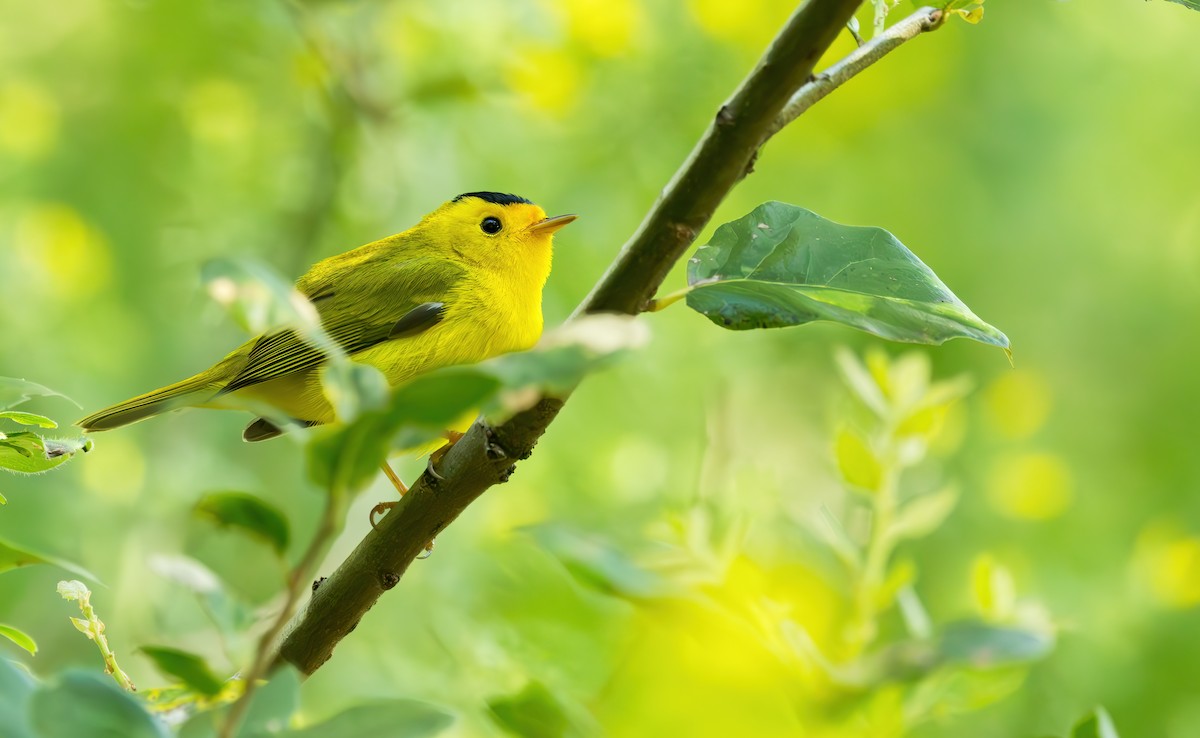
191, 391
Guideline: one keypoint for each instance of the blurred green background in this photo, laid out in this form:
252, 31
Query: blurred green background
1044, 163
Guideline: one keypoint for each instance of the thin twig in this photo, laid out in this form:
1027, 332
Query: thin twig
327, 528
924, 19
719, 161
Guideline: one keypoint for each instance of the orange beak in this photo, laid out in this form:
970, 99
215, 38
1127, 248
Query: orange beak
550, 225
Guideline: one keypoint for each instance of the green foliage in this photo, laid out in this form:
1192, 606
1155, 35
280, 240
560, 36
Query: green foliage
1193, 4
15, 391
781, 265
287, 132
1096, 725
418, 412
18, 637
531, 713
25, 452
407, 718
189, 668
84, 703
28, 418
247, 513
13, 556
16, 687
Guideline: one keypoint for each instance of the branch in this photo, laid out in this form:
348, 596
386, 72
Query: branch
718, 162
327, 529
924, 19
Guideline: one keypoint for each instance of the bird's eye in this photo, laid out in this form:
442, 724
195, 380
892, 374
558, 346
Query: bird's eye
490, 225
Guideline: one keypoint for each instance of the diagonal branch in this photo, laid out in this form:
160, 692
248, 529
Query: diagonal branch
721, 158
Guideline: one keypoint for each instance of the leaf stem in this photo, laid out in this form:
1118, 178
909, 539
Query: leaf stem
662, 303
93, 627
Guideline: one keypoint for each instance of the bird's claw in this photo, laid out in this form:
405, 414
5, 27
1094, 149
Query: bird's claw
380, 509
427, 553
434, 475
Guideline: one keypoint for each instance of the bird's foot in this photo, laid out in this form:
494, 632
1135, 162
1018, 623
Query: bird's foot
452, 437
383, 507
378, 510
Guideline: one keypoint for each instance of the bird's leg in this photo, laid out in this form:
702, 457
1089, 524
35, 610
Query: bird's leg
452, 437
401, 487
383, 507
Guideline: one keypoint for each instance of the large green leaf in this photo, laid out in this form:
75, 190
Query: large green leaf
29, 453
248, 514
86, 704
16, 687
782, 265
188, 668
13, 556
1193, 4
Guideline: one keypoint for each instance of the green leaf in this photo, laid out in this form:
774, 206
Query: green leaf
347, 457
188, 668
27, 418
19, 637
1193, 4
86, 704
782, 265
15, 391
231, 616
408, 718
983, 646
29, 453
247, 513
856, 461
531, 713
16, 687
273, 703
600, 564
13, 556
922, 515
993, 589
1096, 725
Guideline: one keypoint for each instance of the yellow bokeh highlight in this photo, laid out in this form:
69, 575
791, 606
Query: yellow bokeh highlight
1018, 404
29, 119
1168, 560
61, 252
548, 80
117, 474
603, 27
1031, 486
218, 111
748, 23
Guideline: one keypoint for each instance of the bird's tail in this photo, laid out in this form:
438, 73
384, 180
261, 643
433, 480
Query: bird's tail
191, 391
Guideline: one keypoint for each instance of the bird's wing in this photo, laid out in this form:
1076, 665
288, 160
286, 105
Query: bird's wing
361, 304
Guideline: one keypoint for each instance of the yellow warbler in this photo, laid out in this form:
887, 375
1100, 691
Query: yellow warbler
461, 286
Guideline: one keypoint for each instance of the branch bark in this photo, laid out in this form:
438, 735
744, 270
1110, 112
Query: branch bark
721, 158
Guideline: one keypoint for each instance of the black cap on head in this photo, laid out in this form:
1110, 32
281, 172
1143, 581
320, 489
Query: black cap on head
499, 198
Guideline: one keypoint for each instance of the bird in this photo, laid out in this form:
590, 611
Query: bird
461, 286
